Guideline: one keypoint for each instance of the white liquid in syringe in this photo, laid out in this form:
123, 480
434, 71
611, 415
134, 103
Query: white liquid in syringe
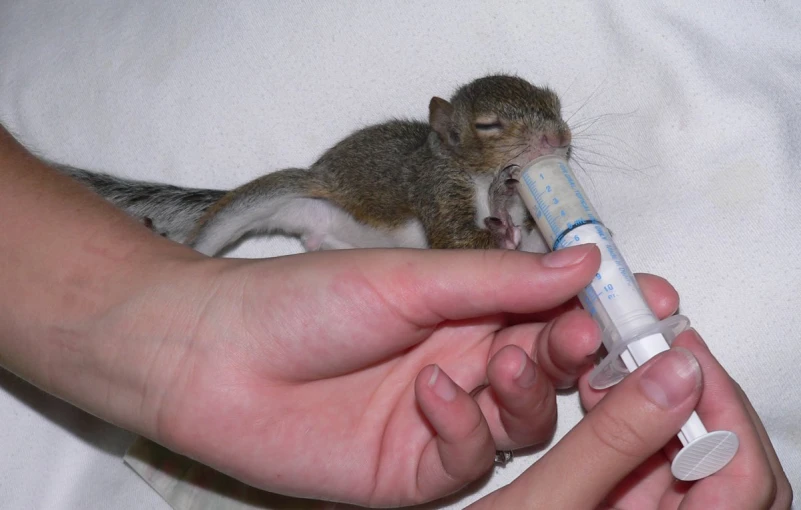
632, 334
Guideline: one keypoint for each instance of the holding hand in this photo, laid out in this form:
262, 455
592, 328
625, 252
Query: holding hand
347, 375
619, 455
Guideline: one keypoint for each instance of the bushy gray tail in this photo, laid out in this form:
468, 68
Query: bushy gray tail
173, 211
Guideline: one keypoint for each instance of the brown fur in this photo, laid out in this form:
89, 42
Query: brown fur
390, 173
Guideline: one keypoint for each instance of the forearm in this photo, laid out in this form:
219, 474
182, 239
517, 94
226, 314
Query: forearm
67, 258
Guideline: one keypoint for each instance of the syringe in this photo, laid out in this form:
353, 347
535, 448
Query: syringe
632, 334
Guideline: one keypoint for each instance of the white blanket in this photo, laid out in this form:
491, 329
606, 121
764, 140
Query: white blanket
687, 122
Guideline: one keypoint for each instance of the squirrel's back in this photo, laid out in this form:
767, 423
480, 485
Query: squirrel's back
370, 172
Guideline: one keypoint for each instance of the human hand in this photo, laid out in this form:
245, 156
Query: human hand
619, 455
318, 375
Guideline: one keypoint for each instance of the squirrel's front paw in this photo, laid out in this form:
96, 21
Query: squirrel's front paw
502, 191
505, 233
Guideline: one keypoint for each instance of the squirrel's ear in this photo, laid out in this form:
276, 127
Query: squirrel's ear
440, 118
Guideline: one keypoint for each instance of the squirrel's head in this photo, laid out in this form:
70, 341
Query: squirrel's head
499, 120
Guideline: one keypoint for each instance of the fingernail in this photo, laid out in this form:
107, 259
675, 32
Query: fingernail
567, 257
526, 374
443, 386
672, 379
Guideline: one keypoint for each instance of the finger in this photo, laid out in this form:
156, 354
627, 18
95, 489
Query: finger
652, 477
430, 286
589, 396
660, 295
783, 490
521, 415
663, 300
644, 487
723, 406
404, 294
462, 448
749, 478
635, 420
567, 347
562, 348
519, 403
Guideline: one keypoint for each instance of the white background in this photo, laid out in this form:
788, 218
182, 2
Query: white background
693, 160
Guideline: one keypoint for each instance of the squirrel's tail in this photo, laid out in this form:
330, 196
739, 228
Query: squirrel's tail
171, 211
286, 201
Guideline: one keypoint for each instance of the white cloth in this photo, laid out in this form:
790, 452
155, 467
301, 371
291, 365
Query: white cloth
691, 150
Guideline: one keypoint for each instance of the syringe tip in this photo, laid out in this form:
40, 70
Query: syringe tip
705, 455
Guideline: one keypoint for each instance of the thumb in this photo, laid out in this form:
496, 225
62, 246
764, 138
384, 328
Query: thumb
634, 421
432, 285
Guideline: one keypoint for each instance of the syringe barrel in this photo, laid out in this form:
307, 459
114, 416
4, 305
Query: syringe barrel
565, 218
544, 186
613, 297
631, 332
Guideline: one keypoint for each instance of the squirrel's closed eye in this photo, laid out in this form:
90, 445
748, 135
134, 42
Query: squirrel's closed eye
489, 126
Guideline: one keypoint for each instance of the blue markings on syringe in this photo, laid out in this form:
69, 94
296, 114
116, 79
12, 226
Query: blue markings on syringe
543, 208
611, 251
563, 225
591, 297
571, 226
569, 177
548, 206
624, 271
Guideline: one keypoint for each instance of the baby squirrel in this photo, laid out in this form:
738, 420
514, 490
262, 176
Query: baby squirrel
447, 183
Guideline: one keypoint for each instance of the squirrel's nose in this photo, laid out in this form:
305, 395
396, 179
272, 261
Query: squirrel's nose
560, 139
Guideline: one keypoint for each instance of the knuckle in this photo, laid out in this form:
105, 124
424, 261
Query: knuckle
618, 434
478, 430
537, 406
530, 429
463, 465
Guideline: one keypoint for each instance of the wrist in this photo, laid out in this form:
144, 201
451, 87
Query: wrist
134, 351
76, 273
76, 328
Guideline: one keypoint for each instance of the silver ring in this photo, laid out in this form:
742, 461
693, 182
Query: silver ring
503, 457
